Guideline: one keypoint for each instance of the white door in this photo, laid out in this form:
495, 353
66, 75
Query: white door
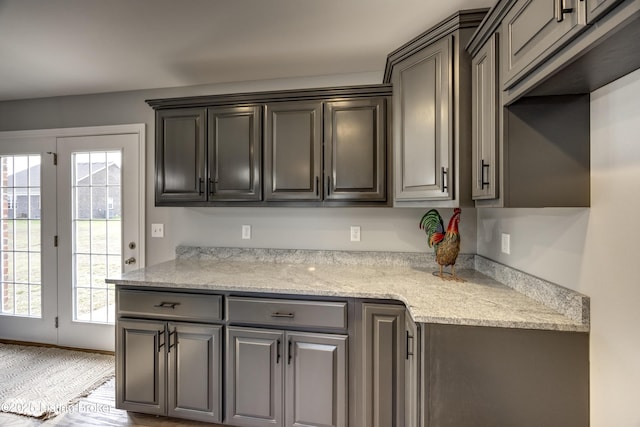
28, 282
98, 217
89, 226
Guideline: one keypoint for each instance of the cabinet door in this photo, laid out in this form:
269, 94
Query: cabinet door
140, 366
535, 29
316, 380
235, 153
597, 8
411, 373
383, 365
180, 155
293, 150
422, 111
195, 383
484, 121
355, 150
254, 377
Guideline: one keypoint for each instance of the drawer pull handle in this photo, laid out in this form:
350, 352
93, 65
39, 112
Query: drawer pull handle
287, 315
167, 305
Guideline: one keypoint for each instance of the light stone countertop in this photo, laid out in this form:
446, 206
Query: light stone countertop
479, 301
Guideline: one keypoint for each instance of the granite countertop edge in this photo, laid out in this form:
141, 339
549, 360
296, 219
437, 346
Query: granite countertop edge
493, 295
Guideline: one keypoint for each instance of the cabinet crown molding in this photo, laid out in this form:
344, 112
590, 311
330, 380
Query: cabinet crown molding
252, 98
470, 18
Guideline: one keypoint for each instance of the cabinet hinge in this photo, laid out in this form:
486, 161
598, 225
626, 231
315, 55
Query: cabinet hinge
56, 322
55, 157
55, 241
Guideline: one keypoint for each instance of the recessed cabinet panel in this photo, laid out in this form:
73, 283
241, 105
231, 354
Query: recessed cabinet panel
180, 155
254, 366
316, 380
422, 114
355, 147
293, 150
235, 148
535, 29
383, 365
195, 374
140, 366
484, 121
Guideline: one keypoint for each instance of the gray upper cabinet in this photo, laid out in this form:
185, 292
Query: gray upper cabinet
484, 121
355, 149
422, 131
431, 78
293, 151
234, 153
535, 29
180, 155
301, 147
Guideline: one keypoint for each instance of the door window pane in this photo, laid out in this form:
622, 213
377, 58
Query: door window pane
97, 231
20, 256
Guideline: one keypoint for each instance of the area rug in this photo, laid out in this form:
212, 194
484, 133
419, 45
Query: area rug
43, 382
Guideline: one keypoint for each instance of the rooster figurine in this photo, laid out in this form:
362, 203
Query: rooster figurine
446, 245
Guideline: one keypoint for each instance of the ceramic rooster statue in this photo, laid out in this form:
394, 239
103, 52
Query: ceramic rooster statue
446, 245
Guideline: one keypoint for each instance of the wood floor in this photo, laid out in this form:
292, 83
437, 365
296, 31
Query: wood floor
98, 409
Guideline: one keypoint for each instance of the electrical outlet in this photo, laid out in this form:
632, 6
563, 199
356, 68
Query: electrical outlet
355, 233
157, 230
506, 243
246, 232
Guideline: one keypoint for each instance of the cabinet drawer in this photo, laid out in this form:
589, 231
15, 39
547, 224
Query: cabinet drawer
169, 305
266, 311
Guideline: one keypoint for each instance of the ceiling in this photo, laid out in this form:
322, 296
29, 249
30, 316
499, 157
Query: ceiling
68, 47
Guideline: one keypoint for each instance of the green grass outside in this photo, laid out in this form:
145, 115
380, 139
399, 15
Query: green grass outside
93, 295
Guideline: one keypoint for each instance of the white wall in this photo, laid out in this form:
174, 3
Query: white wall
594, 251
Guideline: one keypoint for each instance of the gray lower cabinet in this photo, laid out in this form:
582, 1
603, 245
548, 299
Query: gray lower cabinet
534, 30
411, 374
383, 365
484, 376
283, 378
169, 368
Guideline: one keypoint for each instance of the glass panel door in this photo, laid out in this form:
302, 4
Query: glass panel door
98, 218
28, 299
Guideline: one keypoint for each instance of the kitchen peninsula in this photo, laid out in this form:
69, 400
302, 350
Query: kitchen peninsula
382, 336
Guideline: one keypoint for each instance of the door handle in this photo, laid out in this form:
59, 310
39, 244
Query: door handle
130, 261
